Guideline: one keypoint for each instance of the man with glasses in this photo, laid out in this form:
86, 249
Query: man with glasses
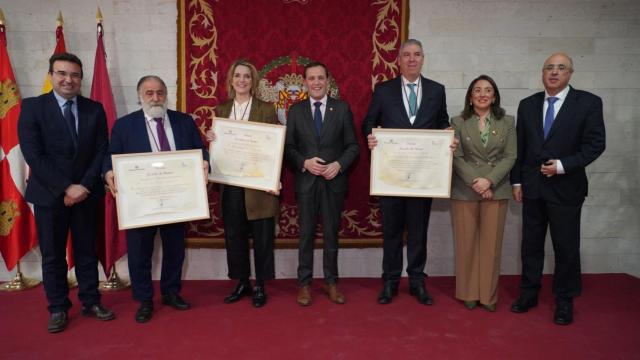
560, 132
63, 137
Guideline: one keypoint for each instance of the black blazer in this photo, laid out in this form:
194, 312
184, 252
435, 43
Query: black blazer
129, 135
48, 148
576, 138
336, 143
387, 107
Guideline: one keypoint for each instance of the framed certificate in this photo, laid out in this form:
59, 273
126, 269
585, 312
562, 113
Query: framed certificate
247, 154
412, 163
156, 188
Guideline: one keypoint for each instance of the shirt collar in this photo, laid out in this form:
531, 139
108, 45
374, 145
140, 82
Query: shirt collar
488, 119
561, 95
323, 100
406, 81
61, 101
150, 119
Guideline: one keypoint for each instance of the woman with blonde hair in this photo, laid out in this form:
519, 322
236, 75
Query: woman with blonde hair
244, 210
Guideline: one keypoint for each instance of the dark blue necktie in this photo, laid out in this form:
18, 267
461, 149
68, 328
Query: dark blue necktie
317, 117
71, 120
549, 116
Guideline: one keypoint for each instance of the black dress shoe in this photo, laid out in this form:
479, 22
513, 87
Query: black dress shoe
241, 290
98, 311
421, 293
57, 322
259, 296
387, 294
523, 304
564, 313
145, 311
175, 301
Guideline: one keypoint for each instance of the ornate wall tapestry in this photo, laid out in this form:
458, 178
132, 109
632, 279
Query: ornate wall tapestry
356, 39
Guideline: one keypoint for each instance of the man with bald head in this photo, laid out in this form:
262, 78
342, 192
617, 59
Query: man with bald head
154, 128
560, 132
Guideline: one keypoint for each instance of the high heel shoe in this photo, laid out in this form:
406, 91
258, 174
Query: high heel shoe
470, 304
489, 307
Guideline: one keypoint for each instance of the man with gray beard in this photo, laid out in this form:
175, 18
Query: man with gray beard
153, 129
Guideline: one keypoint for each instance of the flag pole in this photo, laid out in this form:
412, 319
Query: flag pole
19, 282
114, 282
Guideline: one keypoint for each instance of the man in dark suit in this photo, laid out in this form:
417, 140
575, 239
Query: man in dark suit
63, 137
152, 129
320, 144
560, 132
409, 101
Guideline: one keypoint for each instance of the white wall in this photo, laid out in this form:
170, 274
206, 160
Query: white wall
508, 40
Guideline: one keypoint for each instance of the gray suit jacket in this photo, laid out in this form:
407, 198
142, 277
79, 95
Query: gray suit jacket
473, 160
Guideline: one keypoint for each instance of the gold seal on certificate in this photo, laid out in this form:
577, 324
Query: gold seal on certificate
158, 188
412, 163
247, 154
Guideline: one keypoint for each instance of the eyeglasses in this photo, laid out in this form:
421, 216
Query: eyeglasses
64, 74
560, 67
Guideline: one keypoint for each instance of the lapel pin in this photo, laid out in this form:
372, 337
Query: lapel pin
330, 109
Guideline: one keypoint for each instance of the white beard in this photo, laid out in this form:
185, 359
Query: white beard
154, 111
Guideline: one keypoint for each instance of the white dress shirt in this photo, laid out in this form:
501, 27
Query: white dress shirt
562, 95
152, 132
406, 90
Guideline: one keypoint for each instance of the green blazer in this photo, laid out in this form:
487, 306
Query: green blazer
472, 160
259, 204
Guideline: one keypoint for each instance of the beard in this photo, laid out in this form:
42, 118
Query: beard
154, 110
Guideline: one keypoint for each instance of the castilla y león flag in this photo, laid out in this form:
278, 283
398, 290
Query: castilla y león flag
17, 224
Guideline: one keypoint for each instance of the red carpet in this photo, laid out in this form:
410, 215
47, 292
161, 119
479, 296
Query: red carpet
607, 325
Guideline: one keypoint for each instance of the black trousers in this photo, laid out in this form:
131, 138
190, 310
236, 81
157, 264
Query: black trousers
398, 213
329, 204
53, 224
236, 238
564, 224
140, 249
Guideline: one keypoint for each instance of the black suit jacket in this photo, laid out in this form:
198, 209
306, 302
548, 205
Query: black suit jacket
48, 148
336, 143
576, 138
387, 107
129, 135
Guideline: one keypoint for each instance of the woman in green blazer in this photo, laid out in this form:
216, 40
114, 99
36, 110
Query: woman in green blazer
481, 191
244, 210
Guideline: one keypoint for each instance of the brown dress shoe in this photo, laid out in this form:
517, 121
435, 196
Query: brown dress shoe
334, 294
304, 296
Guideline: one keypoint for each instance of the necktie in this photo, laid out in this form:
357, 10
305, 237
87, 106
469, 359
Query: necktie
162, 135
317, 117
71, 120
413, 100
549, 116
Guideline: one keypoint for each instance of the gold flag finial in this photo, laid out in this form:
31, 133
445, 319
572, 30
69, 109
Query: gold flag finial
1, 17
60, 20
99, 16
